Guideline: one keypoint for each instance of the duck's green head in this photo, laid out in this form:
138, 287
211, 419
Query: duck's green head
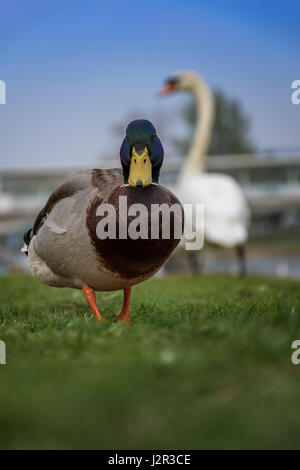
141, 154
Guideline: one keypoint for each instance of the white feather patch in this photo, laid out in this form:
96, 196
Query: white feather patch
54, 227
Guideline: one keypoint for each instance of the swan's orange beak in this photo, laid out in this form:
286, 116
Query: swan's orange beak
167, 90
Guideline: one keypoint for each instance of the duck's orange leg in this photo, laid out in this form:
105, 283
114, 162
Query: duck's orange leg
90, 296
125, 313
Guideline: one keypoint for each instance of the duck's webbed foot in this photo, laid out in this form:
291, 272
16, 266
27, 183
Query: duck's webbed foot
124, 315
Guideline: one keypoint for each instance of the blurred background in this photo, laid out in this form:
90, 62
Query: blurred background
77, 72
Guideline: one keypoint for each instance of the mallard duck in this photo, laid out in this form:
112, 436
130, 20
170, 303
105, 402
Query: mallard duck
64, 248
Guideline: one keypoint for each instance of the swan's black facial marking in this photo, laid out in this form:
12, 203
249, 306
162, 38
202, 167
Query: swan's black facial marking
172, 82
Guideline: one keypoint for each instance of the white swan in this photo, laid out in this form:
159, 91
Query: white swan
227, 213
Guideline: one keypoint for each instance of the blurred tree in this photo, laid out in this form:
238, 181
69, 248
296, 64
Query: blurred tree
230, 130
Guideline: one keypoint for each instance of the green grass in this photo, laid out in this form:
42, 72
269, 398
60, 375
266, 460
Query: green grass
204, 364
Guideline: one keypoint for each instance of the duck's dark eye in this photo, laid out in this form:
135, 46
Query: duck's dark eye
153, 136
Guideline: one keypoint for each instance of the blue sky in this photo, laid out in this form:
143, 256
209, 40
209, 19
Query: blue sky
74, 68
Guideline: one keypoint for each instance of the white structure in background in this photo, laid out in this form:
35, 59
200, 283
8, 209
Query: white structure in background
7, 203
270, 181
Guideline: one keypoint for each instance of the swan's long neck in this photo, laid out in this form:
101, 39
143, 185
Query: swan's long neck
195, 160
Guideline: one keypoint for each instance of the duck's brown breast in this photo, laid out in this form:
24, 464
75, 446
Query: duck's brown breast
133, 258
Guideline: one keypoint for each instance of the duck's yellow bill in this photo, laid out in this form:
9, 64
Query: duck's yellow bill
140, 173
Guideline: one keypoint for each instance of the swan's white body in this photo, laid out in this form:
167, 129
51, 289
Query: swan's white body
226, 212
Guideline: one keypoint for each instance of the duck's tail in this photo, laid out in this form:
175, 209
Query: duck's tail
27, 238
